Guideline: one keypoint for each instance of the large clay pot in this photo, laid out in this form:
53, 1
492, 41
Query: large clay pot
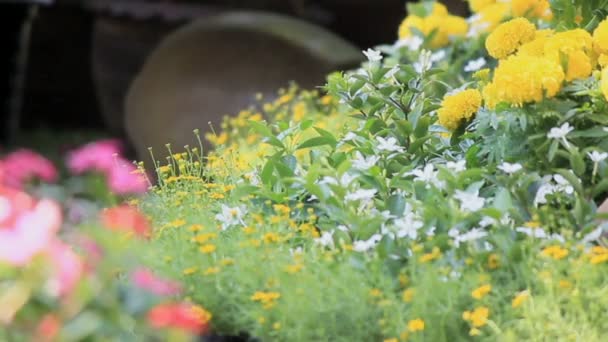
214, 67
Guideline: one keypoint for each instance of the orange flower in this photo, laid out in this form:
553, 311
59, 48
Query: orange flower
126, 218
181, 316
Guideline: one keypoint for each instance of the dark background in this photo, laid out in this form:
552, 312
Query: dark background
59, 92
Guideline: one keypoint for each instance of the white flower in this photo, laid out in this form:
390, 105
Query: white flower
427, 175
361, 163
343, 228
487, 221
395, 69
326, 239
231, 216
408, 226
363, 246
413, 43
561, 133
594, 235
547, 188
563, 185
605, 129
458, 166
364, 195
390, 144
437, 56
349, 136
541, 194
596, 156
471, 235
344, 181
373, 55
431, 231
533, 232
510, 168
475, 64
469, 201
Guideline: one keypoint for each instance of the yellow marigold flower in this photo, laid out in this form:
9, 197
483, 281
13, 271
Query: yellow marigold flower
455, 26
522, 79
415, 325
604, 83
212, 270
481, 291
600, 37
439, 9
556, 252
489, 17
602, 60
408, 295
598, 259
531, 8
509, 36
579, 66
458, 107
520, 298
478, 317
536, 47
478, 5
208, 248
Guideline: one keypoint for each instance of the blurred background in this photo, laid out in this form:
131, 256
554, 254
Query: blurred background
66, 65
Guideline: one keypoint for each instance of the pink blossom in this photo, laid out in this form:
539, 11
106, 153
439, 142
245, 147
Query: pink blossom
67, 268
96, 156
125, 178
28, 232
145, 279
22, 165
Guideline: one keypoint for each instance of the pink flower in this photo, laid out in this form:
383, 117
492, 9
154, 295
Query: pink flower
145, 279
124, 178
97, 156
26, 232
67, 268
23, 165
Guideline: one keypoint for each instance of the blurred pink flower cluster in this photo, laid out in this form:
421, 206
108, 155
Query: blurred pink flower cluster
28, 229
105, 157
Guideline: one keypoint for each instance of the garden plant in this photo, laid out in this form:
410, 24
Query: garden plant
448, 189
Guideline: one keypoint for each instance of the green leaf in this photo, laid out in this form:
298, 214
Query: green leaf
422, 127
266, 174
396, 205
577, 163
317, 141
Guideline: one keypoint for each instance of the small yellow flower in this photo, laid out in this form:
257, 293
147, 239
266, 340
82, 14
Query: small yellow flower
295, 268
202, 238
276, 326
391, 340
520, 298
408, 295
196, 227
201, 314
435, 254
212, 270
415, 325
208, 248
458, 107
481, 291
493, 261
189, 270
478, 317
375, 293
555, 251
565, 284
271, 238
509, 36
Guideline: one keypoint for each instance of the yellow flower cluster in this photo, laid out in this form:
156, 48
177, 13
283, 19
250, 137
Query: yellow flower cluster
555, 251
439, 22
268, 299
520, 298
534, 63
509, 36
540, 9
599, 254
458, 107
415, 325
477, 318
481, 291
